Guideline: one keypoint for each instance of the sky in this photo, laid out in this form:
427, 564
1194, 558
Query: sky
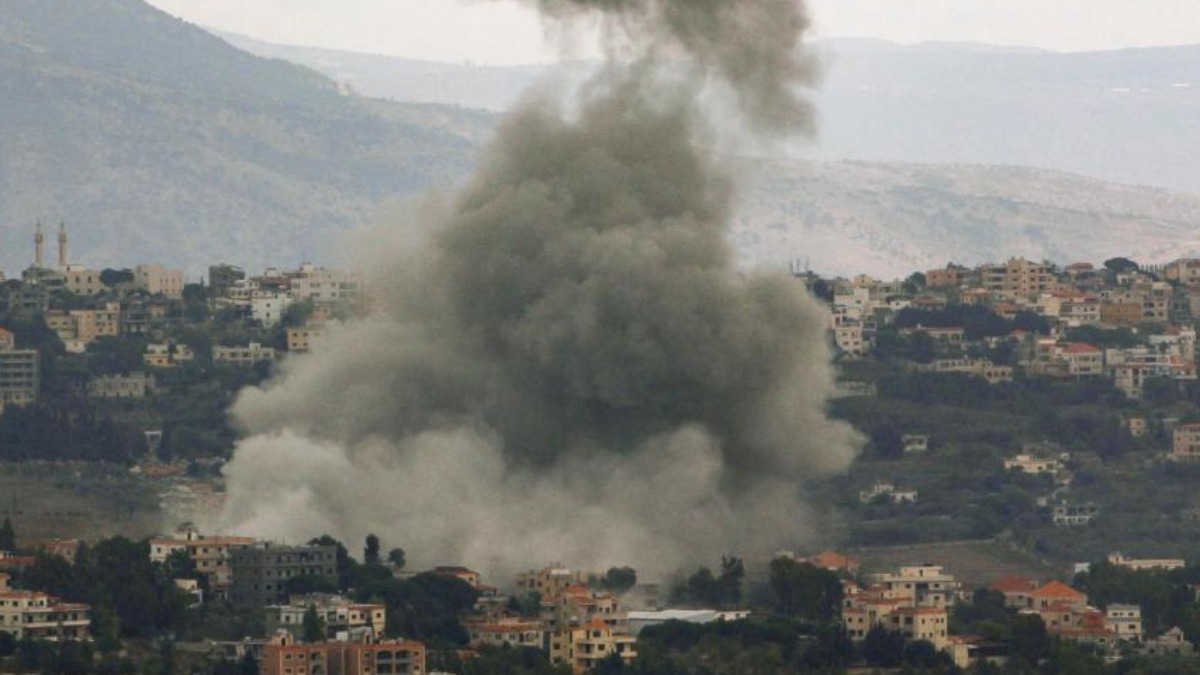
502, 32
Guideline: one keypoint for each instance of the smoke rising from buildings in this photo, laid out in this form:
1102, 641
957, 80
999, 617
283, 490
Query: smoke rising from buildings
566, 365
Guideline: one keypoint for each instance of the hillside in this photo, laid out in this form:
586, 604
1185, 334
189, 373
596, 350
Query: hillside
891, 219
1130, 116
155, 140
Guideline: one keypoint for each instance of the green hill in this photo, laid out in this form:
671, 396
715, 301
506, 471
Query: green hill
157, 141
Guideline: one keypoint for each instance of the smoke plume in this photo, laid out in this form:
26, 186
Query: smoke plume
565, 364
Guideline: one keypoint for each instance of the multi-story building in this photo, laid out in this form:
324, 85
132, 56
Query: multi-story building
20, 378
360, 655
302, 339
222, 277
243, 356
582, 646
159, 280
40, 616
1018, 278
551, 580
133, 385
910, 607
508, 631
94, 323
267, 307
167, 354
337, 614
1186, 443
1118, 559
211, 554
82, 280
261, 571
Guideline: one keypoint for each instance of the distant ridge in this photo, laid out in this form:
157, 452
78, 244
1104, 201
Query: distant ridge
155, 140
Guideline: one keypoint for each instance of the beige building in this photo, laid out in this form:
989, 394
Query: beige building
82, 280
583, 646
243, 356
507, 632
1140, 564
41, 616
156, 280
302, 339
94, 323
133, 385
167, 355
338, 614
211, 554
1018, 278
1186, 445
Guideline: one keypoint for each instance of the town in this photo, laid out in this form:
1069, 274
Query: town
1023, 423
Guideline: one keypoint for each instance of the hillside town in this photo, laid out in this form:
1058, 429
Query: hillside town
117, 356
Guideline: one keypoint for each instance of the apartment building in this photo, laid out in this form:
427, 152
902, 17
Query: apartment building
337, 614
260, 572
362, 655
40, 616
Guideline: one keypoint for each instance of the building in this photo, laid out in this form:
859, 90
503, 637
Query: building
361, 655
984, 368
584, 645
8, 341
133, 385
1125, 621
96, 323
267, 307
303, 339
927, 585
508, 632
885, 491
1172, 642
1074, 515
1017, 590
261, 571
20, 379
1117, 559
211, 554
1018, 278
337, 614
833, 561
915, 442
551, 580
1186, 442
223, 277
167, 355
82, 280
1028, 463
159, 280
40, 616
243, 356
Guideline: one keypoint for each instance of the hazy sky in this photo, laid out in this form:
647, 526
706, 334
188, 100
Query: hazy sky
490, 31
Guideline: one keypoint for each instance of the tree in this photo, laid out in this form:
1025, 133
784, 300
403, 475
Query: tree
915, 283
1030, 640
730, 581
804, 591
371, 550
619, 579
396, 558
314, 627
1119, 265
8, 536
883, 647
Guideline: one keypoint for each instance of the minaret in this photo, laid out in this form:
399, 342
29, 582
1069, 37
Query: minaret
38, 240
62, 245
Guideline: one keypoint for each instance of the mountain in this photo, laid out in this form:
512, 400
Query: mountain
1130, 116
156, 141
891, 219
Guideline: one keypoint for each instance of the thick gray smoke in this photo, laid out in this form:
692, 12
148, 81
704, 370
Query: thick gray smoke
566, 365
